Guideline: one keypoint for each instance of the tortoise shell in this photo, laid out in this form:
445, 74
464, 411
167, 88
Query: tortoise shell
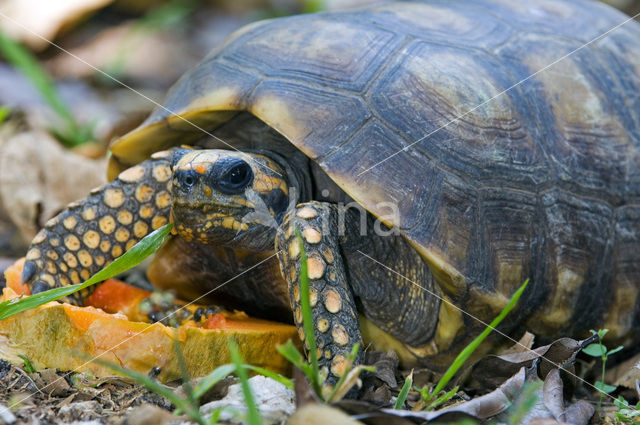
508, 134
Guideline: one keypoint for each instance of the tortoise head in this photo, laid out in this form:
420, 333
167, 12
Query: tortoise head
228, 198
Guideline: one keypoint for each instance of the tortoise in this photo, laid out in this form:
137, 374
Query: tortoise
432, 155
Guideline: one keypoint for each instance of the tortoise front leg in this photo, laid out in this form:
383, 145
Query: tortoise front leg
91, 233
335, 316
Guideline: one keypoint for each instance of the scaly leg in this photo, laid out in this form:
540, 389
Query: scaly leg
334, 311
91, 233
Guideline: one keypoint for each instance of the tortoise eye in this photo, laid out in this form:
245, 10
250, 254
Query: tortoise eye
236, 177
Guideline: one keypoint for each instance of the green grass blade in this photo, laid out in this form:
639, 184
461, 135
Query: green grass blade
307, 318
28, 65
243, 376
271, 374
404, 392
28, 366
469, 349
215, 376
4, 113
147, 246
184, 405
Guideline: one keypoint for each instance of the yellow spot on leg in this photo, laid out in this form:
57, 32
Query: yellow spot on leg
85, 258
107, 224
33, 254
70, 222
315, 267
91, 239
113, 197
163, 199
332, 301
132, 174
339, 335
311, 235
40, 237
158, 222
105, 246
70, 259
161, 173
89, 214
338, 365
116, 251
146, 211
72, 242
122, 234
140, 229
323, 325
144, 193
294, 249
307, 213
125, 217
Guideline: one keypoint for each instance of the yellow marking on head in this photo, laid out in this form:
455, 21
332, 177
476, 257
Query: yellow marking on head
332, 301
207, 191
75, 278
130, 244
144, 193
140, 229
70, 222
315, 266
113, 197
85, 258
40, 237
163, 199
146, 211
338, 365
199, 168
33, 254
158, 221
51, 254
122, 234
91, 239
125, 217
89, 214
311, 235
107, 224
72, 243
227, 222
70, 259
51, 268
323, 325
161, 173
116, 251
132, 174
237, 225
339, 335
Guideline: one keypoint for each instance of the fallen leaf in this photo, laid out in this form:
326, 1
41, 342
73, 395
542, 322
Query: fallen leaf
553, 396
41, 20
38, 178
579, 413
524, 344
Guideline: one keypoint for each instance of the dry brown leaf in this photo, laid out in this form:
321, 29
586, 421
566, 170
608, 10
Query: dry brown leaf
524, 344
626, 373
38, 178
553, 394
41, 20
